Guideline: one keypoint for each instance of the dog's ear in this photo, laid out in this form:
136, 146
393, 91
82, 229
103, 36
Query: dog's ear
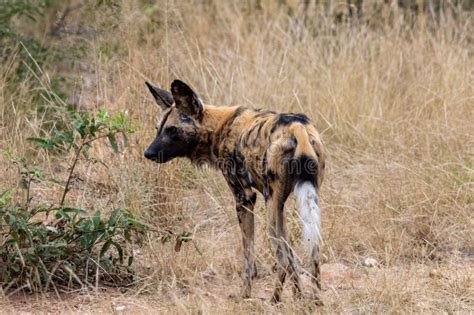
163, 98
186, 100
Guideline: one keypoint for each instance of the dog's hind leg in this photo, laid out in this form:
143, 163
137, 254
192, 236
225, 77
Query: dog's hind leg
276, 195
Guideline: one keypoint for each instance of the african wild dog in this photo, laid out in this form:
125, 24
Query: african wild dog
274, 153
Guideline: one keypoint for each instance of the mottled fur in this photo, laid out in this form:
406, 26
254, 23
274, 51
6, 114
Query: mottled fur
255, 150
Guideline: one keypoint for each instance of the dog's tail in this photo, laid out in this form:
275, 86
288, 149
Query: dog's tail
305, 175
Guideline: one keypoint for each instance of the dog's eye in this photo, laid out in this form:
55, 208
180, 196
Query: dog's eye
184, 118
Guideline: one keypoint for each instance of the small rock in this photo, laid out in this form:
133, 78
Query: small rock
370, 262
336, 273
120, 308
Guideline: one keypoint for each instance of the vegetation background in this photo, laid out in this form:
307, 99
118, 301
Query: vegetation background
388, 83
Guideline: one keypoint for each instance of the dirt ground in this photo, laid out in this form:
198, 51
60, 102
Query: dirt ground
339, 282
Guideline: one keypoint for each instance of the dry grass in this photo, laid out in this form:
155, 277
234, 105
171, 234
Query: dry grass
394, 104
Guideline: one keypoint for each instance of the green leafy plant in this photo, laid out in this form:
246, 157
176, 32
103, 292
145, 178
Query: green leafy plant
83, 130
61, 245
36, 254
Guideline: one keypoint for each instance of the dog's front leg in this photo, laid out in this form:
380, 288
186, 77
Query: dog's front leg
246, 221
245, 200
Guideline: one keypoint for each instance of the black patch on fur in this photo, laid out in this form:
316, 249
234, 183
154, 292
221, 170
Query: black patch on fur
271, 176
267, 192
239, 179
304, 169
253, 198
257, 136
264, 163
245, 139
237, 163
262, 113
260, 126
267, 189
286, 119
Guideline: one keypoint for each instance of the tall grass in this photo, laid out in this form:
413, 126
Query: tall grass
391, 94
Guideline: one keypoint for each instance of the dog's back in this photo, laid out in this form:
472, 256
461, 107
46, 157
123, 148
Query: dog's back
268, 143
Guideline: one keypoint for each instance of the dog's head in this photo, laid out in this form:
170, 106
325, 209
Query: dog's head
177, 130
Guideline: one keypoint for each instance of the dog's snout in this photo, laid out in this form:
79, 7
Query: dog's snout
149, 154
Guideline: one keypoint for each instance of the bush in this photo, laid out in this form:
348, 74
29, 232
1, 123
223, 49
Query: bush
58, 245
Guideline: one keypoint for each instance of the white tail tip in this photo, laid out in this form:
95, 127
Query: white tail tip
307, 200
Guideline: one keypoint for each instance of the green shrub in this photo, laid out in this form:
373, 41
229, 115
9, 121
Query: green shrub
58, 245
75, 248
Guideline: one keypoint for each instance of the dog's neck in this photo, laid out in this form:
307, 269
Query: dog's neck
215, 118
214, 122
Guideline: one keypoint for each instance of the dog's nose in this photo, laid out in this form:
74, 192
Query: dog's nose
148, 154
